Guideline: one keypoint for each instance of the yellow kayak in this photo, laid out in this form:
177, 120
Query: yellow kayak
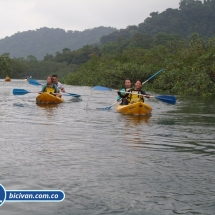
46, 98
138, 108
7, 79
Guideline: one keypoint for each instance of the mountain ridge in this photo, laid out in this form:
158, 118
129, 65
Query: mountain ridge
46, 40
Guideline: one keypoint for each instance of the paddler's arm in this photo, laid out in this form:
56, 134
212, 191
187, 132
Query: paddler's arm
145, 94
125, 93
63, 90
57, 91
58, 95
122, 96
43, 89
119, 95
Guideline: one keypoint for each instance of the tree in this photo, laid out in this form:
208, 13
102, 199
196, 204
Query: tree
31, 58
48, 57
5, 65
153, 14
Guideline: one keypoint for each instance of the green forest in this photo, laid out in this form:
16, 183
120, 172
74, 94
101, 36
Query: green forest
180, 41
192, 16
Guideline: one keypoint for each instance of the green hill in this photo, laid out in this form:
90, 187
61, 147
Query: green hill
49, 40
191, 16
180, 40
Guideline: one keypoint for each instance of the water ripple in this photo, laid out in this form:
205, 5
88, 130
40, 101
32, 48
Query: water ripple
107, 163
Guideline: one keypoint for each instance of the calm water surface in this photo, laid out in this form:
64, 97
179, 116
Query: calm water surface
105, 162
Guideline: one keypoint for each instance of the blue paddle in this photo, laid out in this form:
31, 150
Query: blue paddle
101, 88
152, 76
109, 89
71, 94
167, 99
164, 98
109, 107
18, 92
36, 83
33, 82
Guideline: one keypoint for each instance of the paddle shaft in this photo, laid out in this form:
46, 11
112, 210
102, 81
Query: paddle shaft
148, 80
166, 99
138, 94
115, 103
152, 76
141, 95
36, 83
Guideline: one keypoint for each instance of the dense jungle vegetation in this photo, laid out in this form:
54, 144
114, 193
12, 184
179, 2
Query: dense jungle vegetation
189, 66
188, 60
192, 16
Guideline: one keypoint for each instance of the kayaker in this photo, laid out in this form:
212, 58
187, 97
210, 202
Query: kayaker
50, 87
56, 82
136, 94
128, 86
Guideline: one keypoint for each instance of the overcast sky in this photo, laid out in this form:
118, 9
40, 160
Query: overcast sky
24, 15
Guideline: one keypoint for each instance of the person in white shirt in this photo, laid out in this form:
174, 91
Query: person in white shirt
56, 82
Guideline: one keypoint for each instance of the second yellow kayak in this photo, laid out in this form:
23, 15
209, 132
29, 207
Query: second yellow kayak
138, 108
7, 79
46, 98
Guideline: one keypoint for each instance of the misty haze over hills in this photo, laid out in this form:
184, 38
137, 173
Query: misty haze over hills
49, 41
192, 16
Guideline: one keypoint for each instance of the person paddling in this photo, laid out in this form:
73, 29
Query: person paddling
50, 87
57, 83
128, 86
136, 94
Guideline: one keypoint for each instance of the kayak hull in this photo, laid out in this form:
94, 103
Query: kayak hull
7, 79
138, 108
46, 98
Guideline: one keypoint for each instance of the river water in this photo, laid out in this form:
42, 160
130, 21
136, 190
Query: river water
105, 162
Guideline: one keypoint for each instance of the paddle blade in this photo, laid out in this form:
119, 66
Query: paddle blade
20, 92
33, 82
72, 94
105, 108
101, 88
167, 99
109, 107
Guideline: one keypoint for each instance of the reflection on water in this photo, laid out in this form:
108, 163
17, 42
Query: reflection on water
18, 104
48, 110
131, 120
47, 107
135, 128
105, 162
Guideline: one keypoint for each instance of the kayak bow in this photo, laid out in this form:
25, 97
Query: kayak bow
46, 98
138, 108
